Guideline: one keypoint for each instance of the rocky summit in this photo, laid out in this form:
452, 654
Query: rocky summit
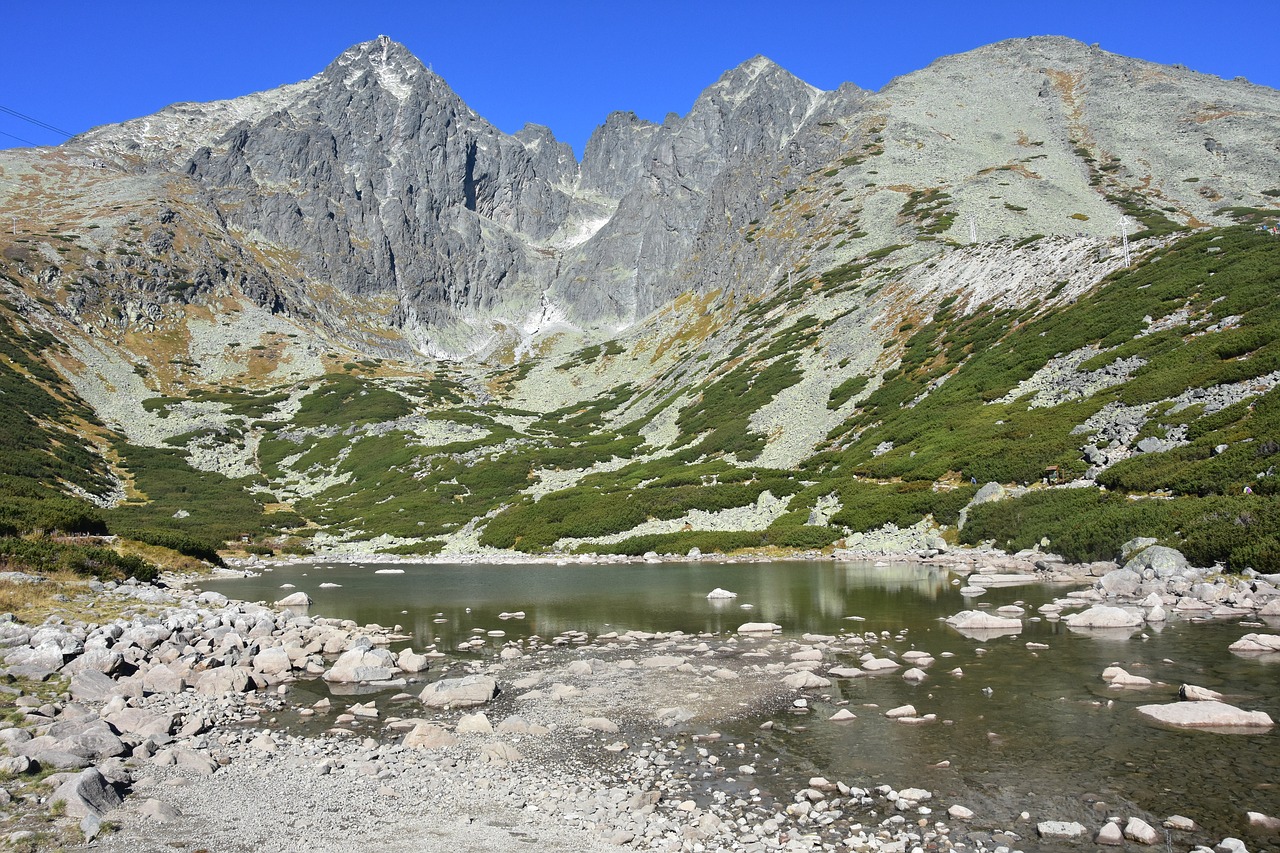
1022, 297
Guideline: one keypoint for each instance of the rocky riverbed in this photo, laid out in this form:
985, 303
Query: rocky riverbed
197, 721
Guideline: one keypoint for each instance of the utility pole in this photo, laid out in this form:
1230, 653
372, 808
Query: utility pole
1124, 240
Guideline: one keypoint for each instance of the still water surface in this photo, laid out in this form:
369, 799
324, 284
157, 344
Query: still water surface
1046, 735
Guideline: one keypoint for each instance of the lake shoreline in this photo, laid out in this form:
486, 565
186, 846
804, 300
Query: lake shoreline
591, 742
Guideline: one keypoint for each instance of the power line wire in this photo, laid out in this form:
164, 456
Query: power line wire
37, 122
20, 139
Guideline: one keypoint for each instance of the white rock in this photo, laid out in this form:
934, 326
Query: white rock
1257, 644
1103, 616
1059, 829
805, 680
1140, 831
719, 593
1205, 715
1117, 677
1111, 835
474, 724
758, 628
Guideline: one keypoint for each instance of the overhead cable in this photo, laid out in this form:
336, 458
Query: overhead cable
37, 122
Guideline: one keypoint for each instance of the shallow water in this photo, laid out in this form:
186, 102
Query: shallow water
1049, 737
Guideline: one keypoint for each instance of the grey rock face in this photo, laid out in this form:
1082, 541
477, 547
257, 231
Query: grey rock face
373, 185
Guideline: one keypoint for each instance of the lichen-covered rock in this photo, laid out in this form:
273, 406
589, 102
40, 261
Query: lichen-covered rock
466, 692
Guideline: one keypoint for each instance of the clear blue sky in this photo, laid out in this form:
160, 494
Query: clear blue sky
76, 64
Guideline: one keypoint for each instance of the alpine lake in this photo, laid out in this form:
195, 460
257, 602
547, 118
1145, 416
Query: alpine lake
1029, 726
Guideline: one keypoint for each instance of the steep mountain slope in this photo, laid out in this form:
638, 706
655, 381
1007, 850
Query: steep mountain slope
757, 323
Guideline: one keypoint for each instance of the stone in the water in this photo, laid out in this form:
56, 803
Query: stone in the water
805, 680
1192, 693
758, 628
1265, 822
1059, 829
1140, 831
361, 664
1206, 715
979, 625
1257, 644
298, 599
1103, 616
721, 593
880, 665
959, 812
1110, 835
844, 715
1117, 677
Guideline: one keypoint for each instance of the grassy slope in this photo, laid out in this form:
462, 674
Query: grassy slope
941, 409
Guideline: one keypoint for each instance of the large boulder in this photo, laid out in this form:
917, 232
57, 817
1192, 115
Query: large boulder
466, 692
273, 661
87, 793
1164, 562
1120, 582
363, 665
1205, 715
297, 599
223, 679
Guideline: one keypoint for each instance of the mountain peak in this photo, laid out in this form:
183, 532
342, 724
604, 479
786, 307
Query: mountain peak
392, 65
739, 83
382, 50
